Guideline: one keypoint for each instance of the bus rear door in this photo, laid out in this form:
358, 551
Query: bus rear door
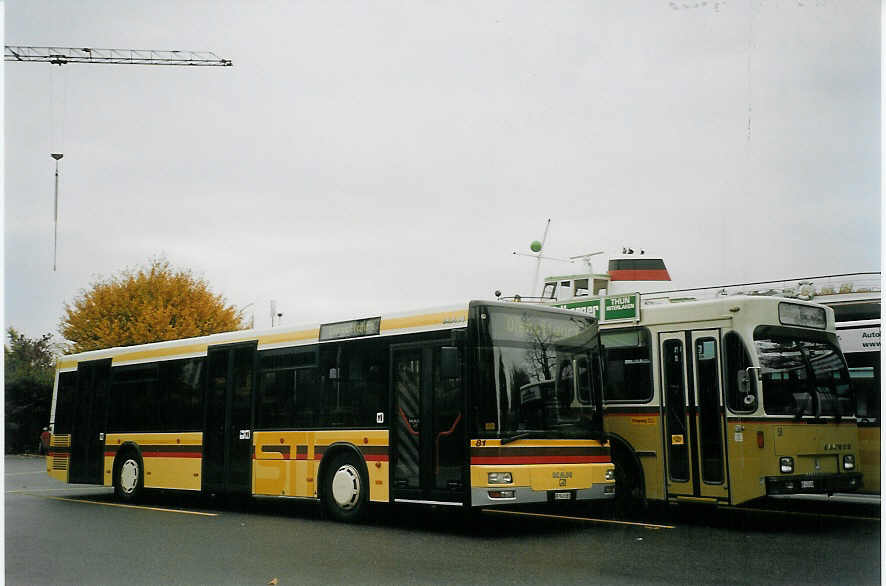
88, 426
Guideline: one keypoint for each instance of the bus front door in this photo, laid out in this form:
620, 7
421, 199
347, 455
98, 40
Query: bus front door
88, 425
428, 442
693, 415
227, 430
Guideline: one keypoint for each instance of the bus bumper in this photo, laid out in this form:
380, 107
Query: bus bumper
813, 483
513, 495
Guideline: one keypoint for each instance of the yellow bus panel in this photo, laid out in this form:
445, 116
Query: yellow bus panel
171, 460
286, 463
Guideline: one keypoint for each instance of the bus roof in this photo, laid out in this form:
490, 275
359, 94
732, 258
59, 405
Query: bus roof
438, 318
423, 320
723, 307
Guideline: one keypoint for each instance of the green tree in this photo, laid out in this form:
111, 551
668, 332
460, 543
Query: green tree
151, 304
29, 366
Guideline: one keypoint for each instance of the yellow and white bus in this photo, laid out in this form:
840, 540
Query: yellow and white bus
724, 401
484, 404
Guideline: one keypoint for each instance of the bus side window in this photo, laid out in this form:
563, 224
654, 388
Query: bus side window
64, 406
628, 365
741, 383
867, 391
183, 381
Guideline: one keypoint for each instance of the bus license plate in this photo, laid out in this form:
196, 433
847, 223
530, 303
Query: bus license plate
562, 496
807, 484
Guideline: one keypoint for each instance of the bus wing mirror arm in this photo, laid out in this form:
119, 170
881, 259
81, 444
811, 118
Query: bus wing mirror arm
744, 385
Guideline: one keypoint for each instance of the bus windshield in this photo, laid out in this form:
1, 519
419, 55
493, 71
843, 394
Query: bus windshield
803, 376
537, 374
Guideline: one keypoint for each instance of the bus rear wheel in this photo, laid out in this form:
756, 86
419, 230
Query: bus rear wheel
128, 477
345, 489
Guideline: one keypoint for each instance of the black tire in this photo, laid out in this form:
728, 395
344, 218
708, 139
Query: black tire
629, 499
345, 488
128, 477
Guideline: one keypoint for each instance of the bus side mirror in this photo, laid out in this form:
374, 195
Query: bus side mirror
449, 362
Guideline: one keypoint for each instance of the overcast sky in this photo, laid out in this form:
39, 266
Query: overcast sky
362, 158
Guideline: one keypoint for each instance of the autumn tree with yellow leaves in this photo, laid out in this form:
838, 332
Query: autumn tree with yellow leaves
151, 304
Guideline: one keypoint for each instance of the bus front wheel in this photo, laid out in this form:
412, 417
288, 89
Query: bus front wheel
128, 477
345, 488
629, 494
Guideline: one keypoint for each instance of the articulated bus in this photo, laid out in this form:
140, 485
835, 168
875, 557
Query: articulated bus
485, 404
724, 401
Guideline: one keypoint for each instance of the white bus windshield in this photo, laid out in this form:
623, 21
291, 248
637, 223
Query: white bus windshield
803, 376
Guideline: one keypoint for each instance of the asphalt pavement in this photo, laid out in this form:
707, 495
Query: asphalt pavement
74, 534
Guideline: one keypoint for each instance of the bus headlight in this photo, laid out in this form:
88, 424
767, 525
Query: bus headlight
500, 478
610, 474
786, 463
849, 462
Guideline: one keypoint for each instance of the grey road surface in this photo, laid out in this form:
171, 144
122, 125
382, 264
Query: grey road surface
69, 534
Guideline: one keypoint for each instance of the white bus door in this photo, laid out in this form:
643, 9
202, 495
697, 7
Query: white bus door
693, 414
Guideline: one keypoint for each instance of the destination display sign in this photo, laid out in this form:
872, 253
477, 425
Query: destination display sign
515, 325
609, 309
350, 329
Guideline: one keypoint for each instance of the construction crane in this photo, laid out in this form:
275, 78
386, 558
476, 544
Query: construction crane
63, 55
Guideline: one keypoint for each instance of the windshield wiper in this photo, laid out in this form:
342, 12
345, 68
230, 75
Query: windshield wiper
513, 438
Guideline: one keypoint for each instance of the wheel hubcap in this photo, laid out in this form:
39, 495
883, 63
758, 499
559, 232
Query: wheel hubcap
346, 487
129, 476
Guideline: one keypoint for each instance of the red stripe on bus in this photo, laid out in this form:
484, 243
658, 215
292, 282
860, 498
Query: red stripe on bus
639, 275
367, 457
496, 460
162, 454
167, 454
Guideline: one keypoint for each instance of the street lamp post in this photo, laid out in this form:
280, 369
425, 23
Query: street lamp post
55, 156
